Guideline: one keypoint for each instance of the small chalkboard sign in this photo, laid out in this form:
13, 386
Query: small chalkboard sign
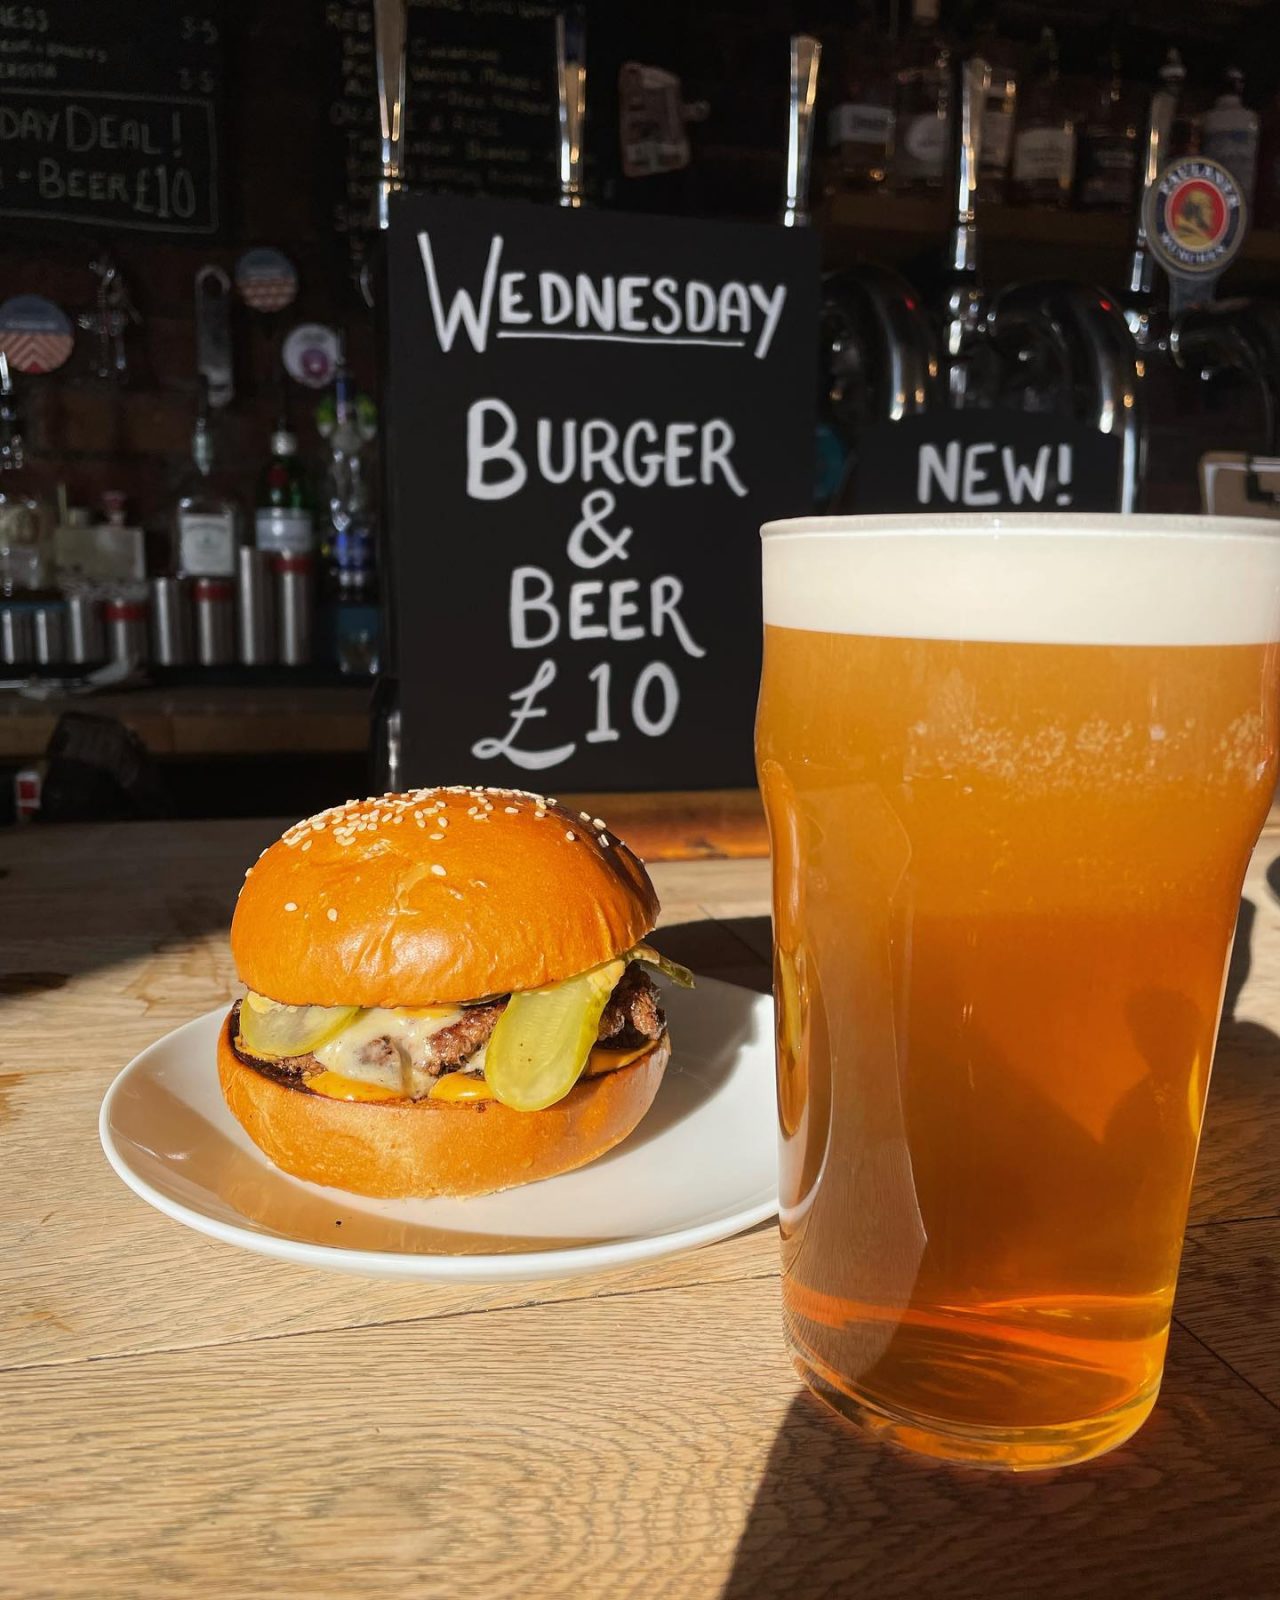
589, 417
110, 118
982, 460
480, 101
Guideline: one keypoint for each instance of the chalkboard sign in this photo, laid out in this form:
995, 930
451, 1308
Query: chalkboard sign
480, 102
589, 417
985, 461
109, 116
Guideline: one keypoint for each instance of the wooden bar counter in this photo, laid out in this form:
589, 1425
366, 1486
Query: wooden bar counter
271, 719
181, 1419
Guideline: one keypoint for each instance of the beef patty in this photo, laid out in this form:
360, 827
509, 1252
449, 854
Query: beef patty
632, 1018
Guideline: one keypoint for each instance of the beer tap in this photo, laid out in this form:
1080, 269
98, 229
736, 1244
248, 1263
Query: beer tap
879, 356
806, 54
571, 85
1199, 335
390, 31
963, 300
1140, 296
1079, 333
1056, 332
1241, 335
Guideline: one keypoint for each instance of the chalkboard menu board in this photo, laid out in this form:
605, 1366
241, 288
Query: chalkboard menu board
589, 416
480, 101
109, 114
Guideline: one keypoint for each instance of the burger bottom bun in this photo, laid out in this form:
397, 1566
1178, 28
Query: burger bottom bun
402, 1149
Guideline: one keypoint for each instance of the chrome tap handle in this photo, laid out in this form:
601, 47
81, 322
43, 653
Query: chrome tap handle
1159, 139
390, 36
975, 84
964, 303
571, 83
806, 53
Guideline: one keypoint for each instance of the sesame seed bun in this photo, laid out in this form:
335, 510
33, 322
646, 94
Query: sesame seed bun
402, 1149
437, 896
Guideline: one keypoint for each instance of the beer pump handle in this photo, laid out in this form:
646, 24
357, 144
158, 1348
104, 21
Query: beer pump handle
964, 303
806, 53
390, 32
975, 84
571, 84
1141, 291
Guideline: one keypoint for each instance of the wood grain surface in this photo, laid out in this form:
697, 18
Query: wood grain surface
182, 1419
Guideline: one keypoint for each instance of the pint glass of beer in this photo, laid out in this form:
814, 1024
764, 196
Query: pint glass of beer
1014, 767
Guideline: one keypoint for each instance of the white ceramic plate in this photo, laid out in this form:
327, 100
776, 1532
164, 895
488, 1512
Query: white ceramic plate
702, 1165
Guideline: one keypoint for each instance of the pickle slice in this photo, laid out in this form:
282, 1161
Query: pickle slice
540, 1045
665, 965
272, 1030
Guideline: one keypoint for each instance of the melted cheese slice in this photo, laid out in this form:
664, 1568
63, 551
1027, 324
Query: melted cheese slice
455, 1087
335, 1087
409, 1032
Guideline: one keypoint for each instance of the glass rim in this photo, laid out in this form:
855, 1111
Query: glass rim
1028, 524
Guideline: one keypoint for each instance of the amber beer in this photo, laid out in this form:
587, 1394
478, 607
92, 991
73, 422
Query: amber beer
1014, 769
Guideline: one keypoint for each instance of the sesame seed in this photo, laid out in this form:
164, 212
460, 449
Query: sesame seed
291, 905
331, 914
586, 817
512, 811
248, 872
571, 837
442, 822
603, 838
437, 869
436, 836
598, 822
306, 844
551, 801
538, 815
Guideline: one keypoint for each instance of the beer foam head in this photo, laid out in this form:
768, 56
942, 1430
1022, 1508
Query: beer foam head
1030, 579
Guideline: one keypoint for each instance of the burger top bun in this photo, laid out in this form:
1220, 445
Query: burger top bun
436, 896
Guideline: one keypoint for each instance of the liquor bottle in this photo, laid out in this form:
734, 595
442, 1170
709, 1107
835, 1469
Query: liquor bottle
923, 110
1229, 134
26, 519
1000, 112
1109, 145
208, 522
349, 544
284, 520
1044, 147
860, 123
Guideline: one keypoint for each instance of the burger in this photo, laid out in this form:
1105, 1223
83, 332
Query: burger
449, 993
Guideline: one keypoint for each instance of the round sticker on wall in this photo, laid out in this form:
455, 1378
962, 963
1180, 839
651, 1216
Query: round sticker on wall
35, 335
311, 354
267, 280
1195, 221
